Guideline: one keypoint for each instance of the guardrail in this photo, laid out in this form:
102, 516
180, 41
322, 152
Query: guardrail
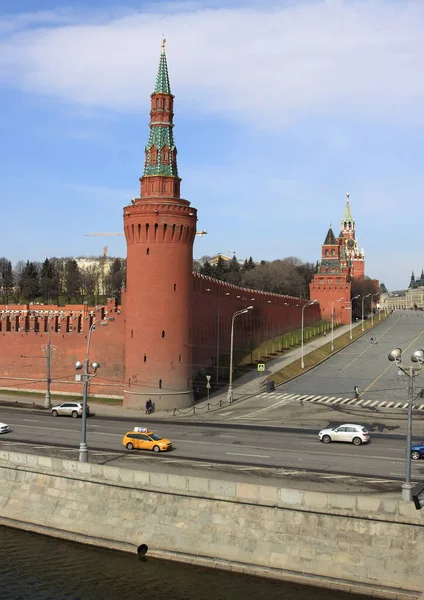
199, 409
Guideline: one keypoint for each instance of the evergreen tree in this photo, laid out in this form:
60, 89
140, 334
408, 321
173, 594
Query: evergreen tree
234, 266
207, 269
30, 282
6, 280
49, 282
116, 279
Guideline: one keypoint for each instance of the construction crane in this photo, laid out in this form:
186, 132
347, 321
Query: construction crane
111, 233
106, 233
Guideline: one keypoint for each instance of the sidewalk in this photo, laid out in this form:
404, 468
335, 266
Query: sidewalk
244, 387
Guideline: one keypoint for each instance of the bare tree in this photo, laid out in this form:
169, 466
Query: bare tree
90, 281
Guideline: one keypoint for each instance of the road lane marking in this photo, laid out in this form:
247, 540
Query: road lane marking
270, 407
387, 368
331, 399
240, 454
226, 413
322, 399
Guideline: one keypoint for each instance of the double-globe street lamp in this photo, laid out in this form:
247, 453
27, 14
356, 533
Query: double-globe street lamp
363, 309
332, 322
351, 314
86, 378
302, 362
230, 379
417, 357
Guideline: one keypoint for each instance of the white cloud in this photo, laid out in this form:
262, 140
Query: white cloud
265, 66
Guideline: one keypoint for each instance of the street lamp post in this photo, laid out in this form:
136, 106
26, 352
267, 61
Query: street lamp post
412, 372
86, 378
332, 322
351, 314
302, 362
363, 308
47, 397
372, 311
230, 379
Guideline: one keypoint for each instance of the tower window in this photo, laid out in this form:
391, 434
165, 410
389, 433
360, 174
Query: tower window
160, 383
132, 333
179, 358
163, 333
147, 251
145, 358
175, 287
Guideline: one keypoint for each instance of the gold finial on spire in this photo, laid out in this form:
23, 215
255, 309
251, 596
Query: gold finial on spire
163, 45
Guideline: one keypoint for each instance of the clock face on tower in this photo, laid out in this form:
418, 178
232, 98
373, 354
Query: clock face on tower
350, 244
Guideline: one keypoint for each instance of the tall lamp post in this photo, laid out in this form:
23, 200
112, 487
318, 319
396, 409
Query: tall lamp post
86, 378
47, 397
351, 314
230, 379
412, 372
363, 309
372, 310
332, 322
302, 362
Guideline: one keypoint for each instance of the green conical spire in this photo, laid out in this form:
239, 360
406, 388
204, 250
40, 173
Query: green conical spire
347, 218
162, 79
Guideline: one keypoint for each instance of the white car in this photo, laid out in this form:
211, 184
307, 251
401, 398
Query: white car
4, 428
69, 409
349, 432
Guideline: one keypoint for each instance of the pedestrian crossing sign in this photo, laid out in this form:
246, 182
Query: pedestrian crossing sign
261, 366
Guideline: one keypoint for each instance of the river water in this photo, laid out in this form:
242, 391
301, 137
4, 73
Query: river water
35, 567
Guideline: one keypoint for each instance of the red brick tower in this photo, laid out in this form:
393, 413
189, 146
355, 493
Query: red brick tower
160, 229
352, 256
331, 285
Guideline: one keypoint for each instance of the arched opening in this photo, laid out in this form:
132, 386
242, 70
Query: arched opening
163, 333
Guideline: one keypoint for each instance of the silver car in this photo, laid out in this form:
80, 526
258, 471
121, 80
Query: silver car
4, 428
69, 409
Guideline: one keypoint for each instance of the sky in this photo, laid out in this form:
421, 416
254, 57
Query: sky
281, 107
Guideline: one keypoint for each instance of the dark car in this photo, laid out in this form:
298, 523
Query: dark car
417, 451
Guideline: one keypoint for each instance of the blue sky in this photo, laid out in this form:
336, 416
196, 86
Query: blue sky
281, 107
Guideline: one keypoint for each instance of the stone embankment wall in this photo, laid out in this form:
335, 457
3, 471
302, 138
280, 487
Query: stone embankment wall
358, 543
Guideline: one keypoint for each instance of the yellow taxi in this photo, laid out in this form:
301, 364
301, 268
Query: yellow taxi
143, 439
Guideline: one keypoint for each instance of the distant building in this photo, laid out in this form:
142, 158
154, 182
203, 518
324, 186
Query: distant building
412, 298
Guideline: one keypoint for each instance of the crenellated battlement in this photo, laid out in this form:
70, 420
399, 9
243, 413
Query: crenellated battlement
71, 318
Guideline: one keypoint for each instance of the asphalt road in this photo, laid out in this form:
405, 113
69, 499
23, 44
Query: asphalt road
271, 436
361, 363
268, 453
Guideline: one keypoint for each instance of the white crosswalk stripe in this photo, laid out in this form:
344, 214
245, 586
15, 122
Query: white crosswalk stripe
278, 399
330, 401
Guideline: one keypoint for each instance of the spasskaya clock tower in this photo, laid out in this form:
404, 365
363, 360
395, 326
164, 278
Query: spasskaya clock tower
351, 255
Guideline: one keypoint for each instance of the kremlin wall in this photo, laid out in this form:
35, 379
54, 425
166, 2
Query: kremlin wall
24, 331
173, 324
